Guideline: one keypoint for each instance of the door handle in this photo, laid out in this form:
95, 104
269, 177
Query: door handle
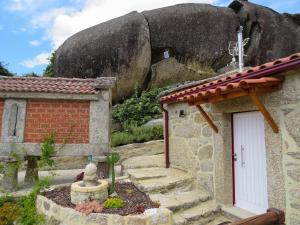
235, 157
242, 156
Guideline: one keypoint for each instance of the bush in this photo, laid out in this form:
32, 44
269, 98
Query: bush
113, 203
9, 213
138, 109
29, 215
134, 134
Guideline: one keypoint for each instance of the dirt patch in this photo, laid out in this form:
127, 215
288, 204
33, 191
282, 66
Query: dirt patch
136, 201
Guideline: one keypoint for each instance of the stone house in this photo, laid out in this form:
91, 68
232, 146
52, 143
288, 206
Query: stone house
238, 134
75, 111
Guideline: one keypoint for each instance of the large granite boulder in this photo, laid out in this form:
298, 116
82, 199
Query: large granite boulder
127, 47
118, 48
170, 71
272, 35
199, 32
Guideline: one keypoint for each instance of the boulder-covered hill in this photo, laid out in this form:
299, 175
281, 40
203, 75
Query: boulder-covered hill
126, 47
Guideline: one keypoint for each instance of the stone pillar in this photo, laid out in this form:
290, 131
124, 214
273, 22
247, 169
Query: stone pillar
10, 179
32, 171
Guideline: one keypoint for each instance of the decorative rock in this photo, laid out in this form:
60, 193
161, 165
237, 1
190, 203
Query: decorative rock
90, 175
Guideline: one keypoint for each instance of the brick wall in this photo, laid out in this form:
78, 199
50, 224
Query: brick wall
68, 120
1, 113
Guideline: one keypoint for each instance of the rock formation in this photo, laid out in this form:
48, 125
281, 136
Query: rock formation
119, 48
127, 46
272, 35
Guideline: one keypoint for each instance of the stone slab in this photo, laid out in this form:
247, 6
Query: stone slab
148, 173
174, 179
144, 162
200, 211
179, 200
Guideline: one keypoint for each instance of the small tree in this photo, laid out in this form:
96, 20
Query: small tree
4, 71
112, 159
48, 72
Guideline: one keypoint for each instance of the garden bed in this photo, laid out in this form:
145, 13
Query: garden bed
136, 202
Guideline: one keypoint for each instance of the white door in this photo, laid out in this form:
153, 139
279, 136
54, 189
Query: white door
250, 162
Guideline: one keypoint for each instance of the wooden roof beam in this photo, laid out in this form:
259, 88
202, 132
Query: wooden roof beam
208, 119
264, 111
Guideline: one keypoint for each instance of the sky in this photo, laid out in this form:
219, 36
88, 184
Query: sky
30, 30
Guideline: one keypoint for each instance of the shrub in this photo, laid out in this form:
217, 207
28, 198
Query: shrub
113, 203
138, 109
29, 215
48, 151
9, 213
134, 134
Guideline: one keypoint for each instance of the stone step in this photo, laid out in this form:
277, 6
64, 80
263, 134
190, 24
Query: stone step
201, 214
160, 180
180, 200
144, 162
219, 220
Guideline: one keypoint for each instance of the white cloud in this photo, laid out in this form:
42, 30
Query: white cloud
40, 59
35, 43
61, 23
23, 5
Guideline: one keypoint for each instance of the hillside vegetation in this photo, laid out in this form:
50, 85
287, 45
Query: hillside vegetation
133, 113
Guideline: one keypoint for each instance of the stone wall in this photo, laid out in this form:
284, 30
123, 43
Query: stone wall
196, 148
140, 149
191, 144
58, 215
1, 113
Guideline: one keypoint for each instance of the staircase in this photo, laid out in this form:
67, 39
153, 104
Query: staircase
173, 189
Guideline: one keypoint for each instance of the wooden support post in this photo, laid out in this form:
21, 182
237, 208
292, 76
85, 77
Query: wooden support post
264, 111
208, 119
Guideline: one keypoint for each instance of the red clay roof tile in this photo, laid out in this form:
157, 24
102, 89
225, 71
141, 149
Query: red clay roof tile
239, 79
54, 85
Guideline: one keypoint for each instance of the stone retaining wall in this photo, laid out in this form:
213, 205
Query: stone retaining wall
59, 215
140, 149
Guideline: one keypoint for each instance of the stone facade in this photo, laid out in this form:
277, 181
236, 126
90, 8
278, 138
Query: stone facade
195, 147
59, 215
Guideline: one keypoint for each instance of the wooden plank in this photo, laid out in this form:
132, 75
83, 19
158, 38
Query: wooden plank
232, 95
264, 111
272, 217
208, 119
